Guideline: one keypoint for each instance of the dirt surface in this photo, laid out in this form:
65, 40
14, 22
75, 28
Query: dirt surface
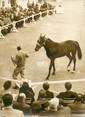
59, 27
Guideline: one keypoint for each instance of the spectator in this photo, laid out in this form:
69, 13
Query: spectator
6, 88
49, 94
8, 111
42, 100
21, 104
56, 110
28, 91
68, 96
36, 107
15, 13
44, 96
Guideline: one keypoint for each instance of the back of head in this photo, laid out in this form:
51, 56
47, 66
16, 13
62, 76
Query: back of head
25, 85
42, 93
46, 85
7, 85
18, 48
24, 88
68, 86
7, 99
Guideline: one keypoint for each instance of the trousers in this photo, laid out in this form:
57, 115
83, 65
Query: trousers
18, 70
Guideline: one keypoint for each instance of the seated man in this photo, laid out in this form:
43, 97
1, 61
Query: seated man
41, 104
42, 100
6, 88
8, 111
49, 94
68, 96
44, 96
56, 110
28, 91
20, 104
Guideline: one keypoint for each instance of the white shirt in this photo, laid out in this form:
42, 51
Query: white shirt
10, 112
53, 103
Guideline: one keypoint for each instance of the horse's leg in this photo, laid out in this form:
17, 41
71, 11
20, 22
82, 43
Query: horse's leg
50, 67
70, 58
74, 60
53, 68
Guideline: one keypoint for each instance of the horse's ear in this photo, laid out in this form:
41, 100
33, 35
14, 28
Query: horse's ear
44, 35
40, 34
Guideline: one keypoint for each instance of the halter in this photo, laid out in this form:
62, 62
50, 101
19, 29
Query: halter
38, 44
43, 43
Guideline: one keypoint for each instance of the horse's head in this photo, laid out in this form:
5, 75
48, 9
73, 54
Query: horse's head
40, 42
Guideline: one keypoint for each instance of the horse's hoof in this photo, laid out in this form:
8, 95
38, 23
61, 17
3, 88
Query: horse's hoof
72, 72
47, 78
68, 70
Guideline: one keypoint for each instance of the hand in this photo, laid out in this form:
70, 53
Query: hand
12, 58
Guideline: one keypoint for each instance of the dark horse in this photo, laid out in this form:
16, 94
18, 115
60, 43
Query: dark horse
55, 50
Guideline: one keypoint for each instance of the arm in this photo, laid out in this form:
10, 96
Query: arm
13, 60
26, 55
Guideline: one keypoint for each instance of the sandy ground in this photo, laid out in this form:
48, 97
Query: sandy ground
59, 27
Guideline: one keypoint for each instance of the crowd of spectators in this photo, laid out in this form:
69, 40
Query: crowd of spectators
47, 103
16, 13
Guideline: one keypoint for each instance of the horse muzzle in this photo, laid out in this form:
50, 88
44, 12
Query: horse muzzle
37, 47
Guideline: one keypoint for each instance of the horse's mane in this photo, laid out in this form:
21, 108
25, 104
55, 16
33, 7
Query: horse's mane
49, 40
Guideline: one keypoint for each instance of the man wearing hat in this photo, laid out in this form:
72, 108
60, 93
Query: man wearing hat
19, 61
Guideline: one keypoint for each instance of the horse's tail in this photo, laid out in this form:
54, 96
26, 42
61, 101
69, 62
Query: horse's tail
79, 52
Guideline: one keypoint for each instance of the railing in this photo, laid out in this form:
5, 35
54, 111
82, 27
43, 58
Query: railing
13, 24
36, 84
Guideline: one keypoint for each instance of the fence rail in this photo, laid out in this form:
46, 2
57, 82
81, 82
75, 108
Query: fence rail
40, 83
24, 19
13, 24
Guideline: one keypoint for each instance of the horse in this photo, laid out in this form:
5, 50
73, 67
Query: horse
55, 50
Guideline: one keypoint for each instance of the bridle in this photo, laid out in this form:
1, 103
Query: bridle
40, 45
